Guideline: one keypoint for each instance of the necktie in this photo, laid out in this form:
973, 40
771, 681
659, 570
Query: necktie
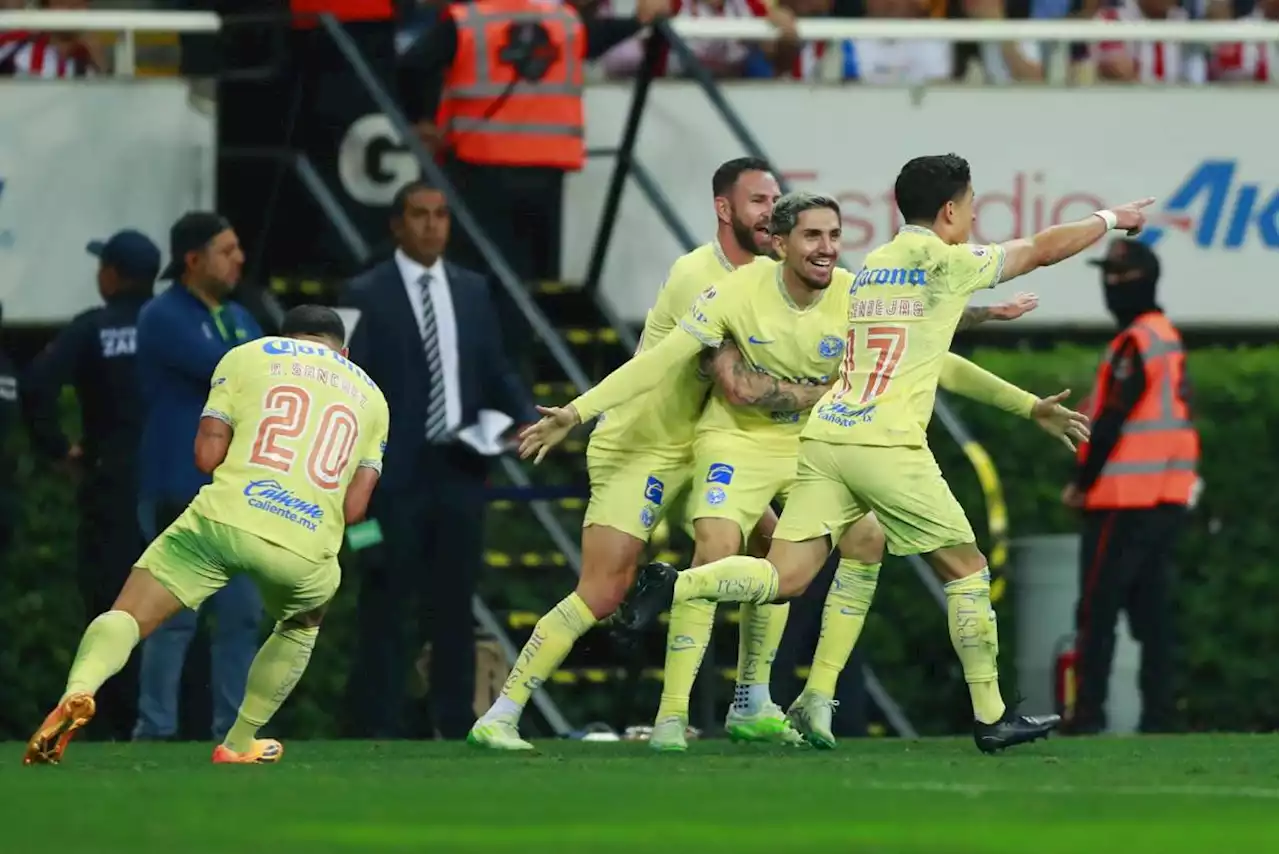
437, 415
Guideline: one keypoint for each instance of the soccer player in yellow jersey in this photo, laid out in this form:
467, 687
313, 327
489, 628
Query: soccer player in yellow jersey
790, 319
640, 456
863, 449
293, 433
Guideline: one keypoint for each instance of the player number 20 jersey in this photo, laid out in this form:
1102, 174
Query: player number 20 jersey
902, 313
304, 418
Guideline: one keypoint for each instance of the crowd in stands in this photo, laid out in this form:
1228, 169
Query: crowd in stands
876, 61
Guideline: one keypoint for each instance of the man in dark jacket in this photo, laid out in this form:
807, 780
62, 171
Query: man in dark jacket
182, 335
95, 354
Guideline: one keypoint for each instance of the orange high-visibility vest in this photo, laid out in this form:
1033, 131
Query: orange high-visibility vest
343, 10
1154, 461
490, 115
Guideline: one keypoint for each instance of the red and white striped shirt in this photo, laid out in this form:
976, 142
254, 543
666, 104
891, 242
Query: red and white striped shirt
24, 54
1243, 61
717, 54
1158, 62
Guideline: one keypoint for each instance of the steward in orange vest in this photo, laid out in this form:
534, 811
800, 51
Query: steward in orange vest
1135, 479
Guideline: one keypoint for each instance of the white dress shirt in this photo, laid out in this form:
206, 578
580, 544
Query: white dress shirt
411, 273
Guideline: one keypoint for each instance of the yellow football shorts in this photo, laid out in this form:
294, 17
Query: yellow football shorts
836, 485
733, 479
195, 557
631, 491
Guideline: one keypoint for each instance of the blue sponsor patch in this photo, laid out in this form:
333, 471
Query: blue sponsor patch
270, 496
830, 346
715, 496
653, 490
648, 517
720, 473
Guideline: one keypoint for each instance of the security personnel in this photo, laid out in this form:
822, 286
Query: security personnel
95, 354
1134, 480
503, 80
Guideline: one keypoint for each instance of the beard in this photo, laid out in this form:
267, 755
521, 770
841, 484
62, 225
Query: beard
745, 236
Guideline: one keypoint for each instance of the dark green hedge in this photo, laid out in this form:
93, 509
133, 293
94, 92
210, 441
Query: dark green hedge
1227, 566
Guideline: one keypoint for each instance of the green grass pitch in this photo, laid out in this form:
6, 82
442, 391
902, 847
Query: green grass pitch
1196, 794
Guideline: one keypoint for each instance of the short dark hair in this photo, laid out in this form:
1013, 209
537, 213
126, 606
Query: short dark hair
401, 198
731, 170
787, 210
314, 320
925, 184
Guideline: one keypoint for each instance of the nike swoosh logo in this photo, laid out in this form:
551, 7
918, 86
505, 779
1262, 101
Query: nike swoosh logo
754, 340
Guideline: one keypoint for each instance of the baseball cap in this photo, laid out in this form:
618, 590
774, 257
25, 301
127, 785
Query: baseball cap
1125, 255
191, 233
130, 252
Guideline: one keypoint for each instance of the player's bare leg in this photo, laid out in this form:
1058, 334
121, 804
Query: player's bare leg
609, 558
843, 614
142, 606
753, 717
972, 621
275, 672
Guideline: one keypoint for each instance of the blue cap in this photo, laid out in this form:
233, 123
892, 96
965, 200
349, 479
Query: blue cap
131, 253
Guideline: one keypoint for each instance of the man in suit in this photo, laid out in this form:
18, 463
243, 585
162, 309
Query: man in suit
428, 335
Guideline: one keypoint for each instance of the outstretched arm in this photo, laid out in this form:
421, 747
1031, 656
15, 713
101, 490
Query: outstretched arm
967, 379
744, 386
1060, 242
1013, 309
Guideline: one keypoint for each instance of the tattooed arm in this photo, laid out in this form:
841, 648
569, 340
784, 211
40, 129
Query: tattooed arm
743, 386
1021, 304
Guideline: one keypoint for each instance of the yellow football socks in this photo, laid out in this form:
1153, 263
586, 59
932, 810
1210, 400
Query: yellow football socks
973, 634
687, 639
732, 579
104, 650
273, 675
843, 614
553, 636
760, 631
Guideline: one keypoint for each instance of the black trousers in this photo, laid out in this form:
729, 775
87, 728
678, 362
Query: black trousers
520, 209
1126, 563
109, 543
804, 623
419, 586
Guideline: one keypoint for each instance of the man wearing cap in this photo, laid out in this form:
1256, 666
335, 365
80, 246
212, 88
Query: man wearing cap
1135, 480
182, 334
95, 354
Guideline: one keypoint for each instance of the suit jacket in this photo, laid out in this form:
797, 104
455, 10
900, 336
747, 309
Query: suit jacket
388, 345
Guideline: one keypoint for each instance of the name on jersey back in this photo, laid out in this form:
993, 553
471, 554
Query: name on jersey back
332, 377
888, 307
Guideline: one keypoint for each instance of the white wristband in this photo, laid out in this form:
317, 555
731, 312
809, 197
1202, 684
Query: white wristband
1108, 217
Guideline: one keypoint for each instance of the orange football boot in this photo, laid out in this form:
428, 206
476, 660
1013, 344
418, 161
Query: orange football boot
264, 752
47, 745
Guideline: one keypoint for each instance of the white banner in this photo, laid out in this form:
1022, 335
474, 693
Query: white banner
1039, 156
80, 160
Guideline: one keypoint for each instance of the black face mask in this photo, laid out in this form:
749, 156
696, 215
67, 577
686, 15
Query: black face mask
1128, 300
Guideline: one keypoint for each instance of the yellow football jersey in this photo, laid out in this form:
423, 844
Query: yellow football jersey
902, 313
304, 418
664, 418
776, 337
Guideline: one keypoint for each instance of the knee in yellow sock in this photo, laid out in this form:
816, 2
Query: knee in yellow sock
972, 622
275, 672
553, 636
843, 615
104, 650
732, 579
687, 639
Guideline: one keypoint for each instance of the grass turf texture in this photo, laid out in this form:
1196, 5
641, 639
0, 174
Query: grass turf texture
936, 796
